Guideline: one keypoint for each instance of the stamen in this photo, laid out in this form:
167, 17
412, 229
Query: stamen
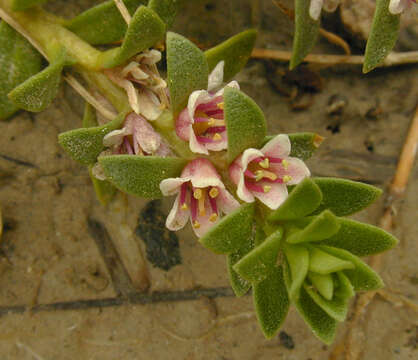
254, 187
214, 206
193, 210
285, 164
183, 193
287, 178
265, 163
213, 217
213, 113
217, 137
197, 194
196, 224
216, 122
260, 174
214, 192
221, 105
184, 206
275, 160
216, 129
266, 188
201, 202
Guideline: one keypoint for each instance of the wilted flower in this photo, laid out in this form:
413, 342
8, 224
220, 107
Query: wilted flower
265, 173
202, 123
201, 196
145, 88
398, 6
317, 5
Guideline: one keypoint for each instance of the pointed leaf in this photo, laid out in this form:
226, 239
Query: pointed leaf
187, 70
321, 227
324, 284
18, 62
145, 30
166, 10
37, 92
322, 262
262, 260
297, 257
303, 200
383, 35
90, 116
271, 302
21, 5
361, 239
232, 232
102, 24
362, 277
245, 123
323, 326
306, 33
345, 197
85, 144
235, 52
140, 175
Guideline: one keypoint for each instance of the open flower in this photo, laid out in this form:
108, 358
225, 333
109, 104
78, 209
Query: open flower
317, 5
145, 88
202, 123
265, 173
398, 6
201, 196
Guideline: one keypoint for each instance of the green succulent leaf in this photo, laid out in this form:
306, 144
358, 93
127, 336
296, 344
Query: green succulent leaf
324, 284
140, 175
322, 262
321, 227
18, 62
303, 200
383, 35
337, 307
297, 257
306, 33
361, 239
21, 5
362, 277
345, 197
261, 261
232, 232
323, 326
245, 123
235, 52
145, 30
187, 70
271, 302
85, 144
102, 24
166, 10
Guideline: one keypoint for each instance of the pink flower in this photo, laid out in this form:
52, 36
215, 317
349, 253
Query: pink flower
201, 196
265, 173
202, 123
398, 6
316, 6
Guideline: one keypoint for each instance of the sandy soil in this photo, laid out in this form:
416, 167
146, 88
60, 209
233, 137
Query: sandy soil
80, 281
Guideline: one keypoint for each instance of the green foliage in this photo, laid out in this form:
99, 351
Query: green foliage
302, 201
166, 9
18, 62
145, 30
140, 175
345, 197
245, 123
297, 257
361, 239
383, 35
102, 24
21, 5
235, 52
306, 33
187, 70
261, 261
232, 232
271, 302
321, 262
324, 284
85, 144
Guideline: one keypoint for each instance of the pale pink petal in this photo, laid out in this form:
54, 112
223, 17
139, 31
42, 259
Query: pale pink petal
273, 198
195, 99
183, 125
233, 84
248, 156
216, 76
98, 172
145, 135
315, 9
297, 170
171, 186
202, 173
226, 202
132, 95
164, 150
150, 105
235, 170
177, 217
218, 145
115, 137
242, 192
149, 57
278, 147
204, 223
195, 145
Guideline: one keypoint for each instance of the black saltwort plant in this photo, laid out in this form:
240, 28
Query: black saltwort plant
194, 134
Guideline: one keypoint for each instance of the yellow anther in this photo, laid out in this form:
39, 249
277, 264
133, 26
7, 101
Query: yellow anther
287, 178
285, 163
265, 163
221, 105
266, 188
213, 193
260, 174
196, 224
197, 194
217, 137
184, 206
211, 122
201, 203
213, 217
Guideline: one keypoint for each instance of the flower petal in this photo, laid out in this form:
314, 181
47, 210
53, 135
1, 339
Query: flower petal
233, 84
115, 137
297, 170
273, 198
195, 145
315, 9
177, 217
216, 76
150, 105
144, 134
235, 170
202, 174
98, 172
218, 145
171, 186
204, 223
278, 147
195, 99
183, 125
149, 57
226, 202
248, 156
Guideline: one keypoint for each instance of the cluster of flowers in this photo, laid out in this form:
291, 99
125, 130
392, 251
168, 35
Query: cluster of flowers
202, 196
